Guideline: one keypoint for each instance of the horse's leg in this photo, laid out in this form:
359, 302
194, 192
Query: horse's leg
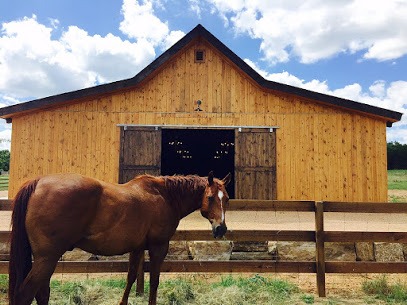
134, 262
39, 276
42, 296
157, 254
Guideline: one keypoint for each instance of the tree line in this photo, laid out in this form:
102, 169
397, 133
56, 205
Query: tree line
4, 160
396, 155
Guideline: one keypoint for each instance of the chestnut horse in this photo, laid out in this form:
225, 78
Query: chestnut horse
56, 213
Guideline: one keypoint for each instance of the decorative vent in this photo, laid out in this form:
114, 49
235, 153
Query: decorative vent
199, 56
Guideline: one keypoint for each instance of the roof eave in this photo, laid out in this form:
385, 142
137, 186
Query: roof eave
389, 115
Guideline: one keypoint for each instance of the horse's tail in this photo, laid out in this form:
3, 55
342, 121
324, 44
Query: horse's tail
20, 250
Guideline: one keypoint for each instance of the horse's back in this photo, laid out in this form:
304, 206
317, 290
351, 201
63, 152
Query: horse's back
67, 189
61, 208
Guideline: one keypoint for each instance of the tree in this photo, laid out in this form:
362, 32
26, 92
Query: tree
4, 160
396, 155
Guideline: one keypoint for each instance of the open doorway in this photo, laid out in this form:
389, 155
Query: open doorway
198, 151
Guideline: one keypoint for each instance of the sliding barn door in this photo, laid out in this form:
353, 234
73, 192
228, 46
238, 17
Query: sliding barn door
140, 152
255, 163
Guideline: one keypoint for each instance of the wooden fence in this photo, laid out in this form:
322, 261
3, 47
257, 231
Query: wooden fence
320, 267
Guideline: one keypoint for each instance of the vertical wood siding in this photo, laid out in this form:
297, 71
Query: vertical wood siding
255, 164
140, 152
323, 153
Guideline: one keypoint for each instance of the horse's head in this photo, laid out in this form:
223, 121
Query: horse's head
214, 203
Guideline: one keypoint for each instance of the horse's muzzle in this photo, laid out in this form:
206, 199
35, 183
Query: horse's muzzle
219, 231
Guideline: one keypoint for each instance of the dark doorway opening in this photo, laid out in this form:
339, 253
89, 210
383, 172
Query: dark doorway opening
198, 151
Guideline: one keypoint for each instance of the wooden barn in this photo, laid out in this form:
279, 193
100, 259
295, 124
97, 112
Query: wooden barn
199, 107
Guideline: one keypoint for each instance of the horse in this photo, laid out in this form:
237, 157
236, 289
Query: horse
56, 213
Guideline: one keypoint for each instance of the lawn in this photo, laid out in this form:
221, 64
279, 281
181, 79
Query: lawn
3, 182
223, 290
397, 179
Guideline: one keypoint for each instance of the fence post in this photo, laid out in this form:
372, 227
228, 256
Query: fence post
140, 276
320, 247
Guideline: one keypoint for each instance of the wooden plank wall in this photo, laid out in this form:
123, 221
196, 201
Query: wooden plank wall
140, 152
255, 164
323, 153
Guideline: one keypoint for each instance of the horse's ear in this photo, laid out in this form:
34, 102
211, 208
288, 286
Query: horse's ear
210, 178
227, 179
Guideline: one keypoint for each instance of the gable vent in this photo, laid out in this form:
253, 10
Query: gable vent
199, 56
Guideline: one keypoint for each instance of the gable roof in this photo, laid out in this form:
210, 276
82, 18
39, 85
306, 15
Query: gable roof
198, 32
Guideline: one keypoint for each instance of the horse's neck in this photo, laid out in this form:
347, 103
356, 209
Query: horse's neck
191, 204
186, 194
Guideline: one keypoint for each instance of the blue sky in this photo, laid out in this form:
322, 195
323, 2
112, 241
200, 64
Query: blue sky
334, 47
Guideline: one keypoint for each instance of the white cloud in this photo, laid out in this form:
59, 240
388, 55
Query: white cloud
105, 59
195, 7
136, 18
397, 134
6, 100
5, 136
33, 64
171, 39
378, 88
316, 29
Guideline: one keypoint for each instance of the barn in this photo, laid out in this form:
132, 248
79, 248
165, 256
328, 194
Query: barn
199, 107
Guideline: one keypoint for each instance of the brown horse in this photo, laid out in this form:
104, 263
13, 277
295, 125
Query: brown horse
56, 213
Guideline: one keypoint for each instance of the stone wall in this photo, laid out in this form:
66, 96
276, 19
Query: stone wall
285, 251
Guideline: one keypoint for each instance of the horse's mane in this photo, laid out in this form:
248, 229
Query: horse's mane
178, 187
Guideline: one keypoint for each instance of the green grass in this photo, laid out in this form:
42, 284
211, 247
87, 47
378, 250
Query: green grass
3, 182
397, 179
227, 290
390, 293
87, 292
3, 289
3, 283
254, 290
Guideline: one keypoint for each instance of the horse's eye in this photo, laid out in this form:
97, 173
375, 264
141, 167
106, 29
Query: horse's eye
211, 199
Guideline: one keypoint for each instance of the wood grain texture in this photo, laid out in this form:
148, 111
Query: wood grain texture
322, 152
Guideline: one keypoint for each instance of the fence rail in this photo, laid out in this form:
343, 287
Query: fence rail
320, 267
